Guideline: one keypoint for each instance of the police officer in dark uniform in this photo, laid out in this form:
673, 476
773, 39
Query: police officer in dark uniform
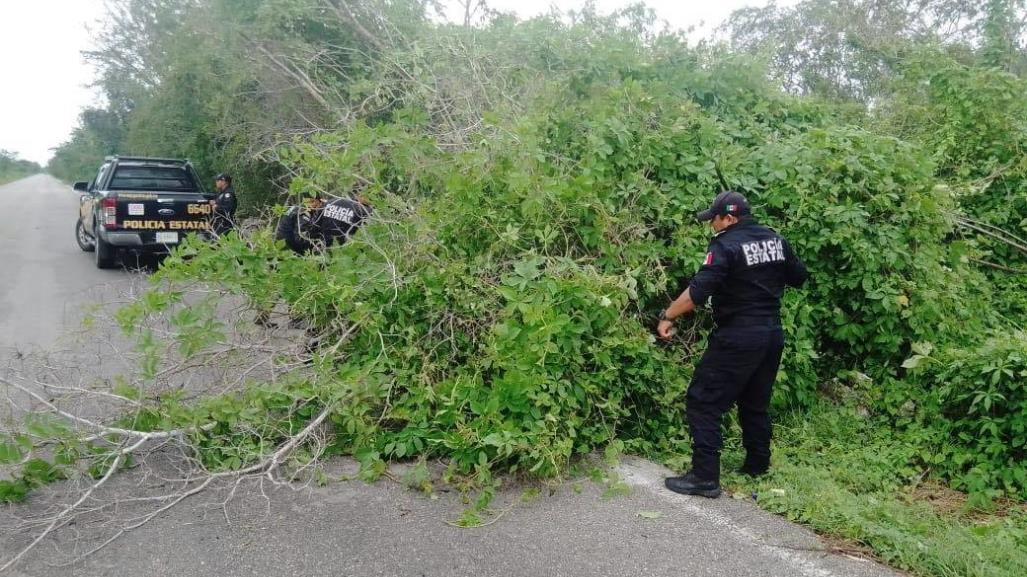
297, 227
341, 217
320, 224
744, 274
223, 217
316, 225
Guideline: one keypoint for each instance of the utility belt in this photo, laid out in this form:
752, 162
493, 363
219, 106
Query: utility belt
734, 322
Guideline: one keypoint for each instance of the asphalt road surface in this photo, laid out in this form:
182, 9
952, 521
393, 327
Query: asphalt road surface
348, 528
45, 279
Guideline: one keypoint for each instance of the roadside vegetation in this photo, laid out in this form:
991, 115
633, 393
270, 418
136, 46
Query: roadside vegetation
534, 184
13, 168
861, 485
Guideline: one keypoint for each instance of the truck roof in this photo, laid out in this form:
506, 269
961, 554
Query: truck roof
146, 160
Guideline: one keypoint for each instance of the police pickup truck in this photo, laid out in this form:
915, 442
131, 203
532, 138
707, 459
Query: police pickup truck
143, 205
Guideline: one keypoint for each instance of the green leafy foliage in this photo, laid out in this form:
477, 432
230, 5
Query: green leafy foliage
531, 220
33, 473
502, 320
851, 49
13, 168
977, 396
845, 475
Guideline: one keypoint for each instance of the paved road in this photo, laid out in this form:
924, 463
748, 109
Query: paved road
45, 279
349, 528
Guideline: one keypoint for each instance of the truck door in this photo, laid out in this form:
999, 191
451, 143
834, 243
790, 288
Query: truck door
89, 208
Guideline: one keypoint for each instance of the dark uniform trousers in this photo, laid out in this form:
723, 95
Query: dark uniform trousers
223, 219
222, 224
739, 366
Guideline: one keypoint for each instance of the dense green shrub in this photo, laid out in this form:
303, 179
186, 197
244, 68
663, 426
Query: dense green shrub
971, 119
498, 313
529, 224
974, 399
865, 212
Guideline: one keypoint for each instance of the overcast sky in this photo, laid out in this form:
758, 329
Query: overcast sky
45, 80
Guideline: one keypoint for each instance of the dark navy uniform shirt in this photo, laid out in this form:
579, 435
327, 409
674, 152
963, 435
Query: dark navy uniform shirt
339, 218
304, 229
225, 203
745, 272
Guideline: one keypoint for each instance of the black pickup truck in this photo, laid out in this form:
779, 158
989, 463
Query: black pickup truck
144, 205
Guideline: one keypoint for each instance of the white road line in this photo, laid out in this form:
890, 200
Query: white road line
649, 476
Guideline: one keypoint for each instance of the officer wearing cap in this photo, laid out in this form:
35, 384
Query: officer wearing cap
745, 271
223, 219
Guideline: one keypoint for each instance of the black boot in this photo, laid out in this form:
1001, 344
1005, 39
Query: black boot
753, 471
692, 485
755, 467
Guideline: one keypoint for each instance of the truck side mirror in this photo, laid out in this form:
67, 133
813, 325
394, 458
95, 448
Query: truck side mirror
82, 186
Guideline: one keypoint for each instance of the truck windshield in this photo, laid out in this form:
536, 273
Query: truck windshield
170, 178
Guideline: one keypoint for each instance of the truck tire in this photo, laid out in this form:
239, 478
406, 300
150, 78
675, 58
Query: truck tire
85, 243
105, 253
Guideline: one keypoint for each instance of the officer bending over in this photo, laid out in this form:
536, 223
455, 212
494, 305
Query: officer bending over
319, 224
316, 225
744, 274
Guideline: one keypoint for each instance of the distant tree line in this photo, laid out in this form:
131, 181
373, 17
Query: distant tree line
225, 83
13, 168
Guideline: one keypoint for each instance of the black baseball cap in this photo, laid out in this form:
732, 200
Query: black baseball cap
224, 176
727, 202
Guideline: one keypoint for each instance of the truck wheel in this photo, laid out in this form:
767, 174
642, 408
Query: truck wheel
104, 252
84, 241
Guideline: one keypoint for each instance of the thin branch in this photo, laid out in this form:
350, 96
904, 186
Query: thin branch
345, 13
69, 509
1002, 237
104, 430
999, 266
296, 75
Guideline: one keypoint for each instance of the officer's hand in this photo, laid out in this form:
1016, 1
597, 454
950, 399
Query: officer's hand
665, 329
213, 203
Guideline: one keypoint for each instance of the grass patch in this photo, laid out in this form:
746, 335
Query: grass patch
7, 177
847, 476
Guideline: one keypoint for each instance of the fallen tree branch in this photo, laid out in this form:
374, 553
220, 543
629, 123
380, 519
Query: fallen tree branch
105, 430
266, 467
71, 508
345, 13
996, 229
296, 75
